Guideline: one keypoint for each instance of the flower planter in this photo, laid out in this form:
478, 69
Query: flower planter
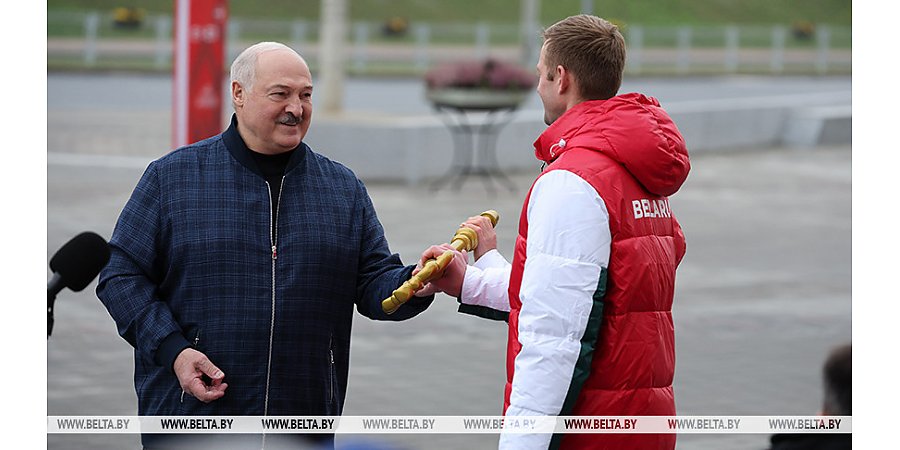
476, 98
486, 85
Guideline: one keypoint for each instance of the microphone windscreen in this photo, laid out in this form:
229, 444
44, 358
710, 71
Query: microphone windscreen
80, 260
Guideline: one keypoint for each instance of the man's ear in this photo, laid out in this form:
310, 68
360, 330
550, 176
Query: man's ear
237, 94
565, 80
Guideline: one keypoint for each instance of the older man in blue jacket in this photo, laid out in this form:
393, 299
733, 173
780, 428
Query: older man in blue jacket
238, 261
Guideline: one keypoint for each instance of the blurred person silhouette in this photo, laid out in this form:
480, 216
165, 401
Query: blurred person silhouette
837, 379
589, 293
238, 261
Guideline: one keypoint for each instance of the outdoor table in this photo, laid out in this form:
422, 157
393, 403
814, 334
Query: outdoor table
475, 119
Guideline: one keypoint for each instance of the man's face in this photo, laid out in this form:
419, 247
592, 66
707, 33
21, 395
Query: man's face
275, 112
548, 90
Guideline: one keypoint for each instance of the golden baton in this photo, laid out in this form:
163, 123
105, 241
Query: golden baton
464, 239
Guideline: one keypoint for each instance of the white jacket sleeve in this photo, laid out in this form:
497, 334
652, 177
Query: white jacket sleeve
568, 248
486, 283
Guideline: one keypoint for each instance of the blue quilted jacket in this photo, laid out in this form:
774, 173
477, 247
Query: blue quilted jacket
194, 263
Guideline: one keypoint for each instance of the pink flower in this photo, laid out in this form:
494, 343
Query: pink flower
484, 74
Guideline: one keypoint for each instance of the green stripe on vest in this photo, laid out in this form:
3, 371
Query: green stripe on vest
586, 355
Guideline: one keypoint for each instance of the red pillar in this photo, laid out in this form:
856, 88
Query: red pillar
200, 35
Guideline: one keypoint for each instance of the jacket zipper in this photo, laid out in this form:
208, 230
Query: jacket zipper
196, 341
273, 236
331, 372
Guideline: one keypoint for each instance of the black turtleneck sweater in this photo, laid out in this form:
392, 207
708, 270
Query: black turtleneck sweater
272, 168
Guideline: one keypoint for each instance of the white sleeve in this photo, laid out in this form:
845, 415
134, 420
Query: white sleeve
486, 283
567, 251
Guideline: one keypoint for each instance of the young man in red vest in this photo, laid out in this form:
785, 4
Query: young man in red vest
588, 295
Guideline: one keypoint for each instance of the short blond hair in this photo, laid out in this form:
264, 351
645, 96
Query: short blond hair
592, 49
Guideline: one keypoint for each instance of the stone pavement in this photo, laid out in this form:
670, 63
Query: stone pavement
762, 295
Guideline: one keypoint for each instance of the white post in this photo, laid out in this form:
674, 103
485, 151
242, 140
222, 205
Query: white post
482, 40
684, 50
635, 46
732, 48
91, 25
587, 6
233, 47
360, 54
823, 39
298, 34
331, 41
779, 35
528, 27
163, 44
423, 35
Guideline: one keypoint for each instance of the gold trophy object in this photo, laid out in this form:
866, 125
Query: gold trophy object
464, 239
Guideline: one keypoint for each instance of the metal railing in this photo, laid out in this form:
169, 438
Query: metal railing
92, 40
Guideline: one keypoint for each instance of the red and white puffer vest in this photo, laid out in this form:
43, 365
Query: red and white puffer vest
630, 151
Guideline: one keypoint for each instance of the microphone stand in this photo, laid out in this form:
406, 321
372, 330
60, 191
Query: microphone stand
53, 286
50, 299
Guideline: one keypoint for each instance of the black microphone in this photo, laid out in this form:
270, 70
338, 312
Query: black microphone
74, 266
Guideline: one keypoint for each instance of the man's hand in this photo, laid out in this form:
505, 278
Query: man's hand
487, 237
191, 367
451, 279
